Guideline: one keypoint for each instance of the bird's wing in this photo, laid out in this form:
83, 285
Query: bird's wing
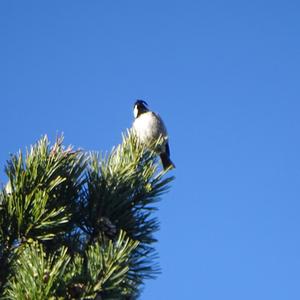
160, 124
168, 149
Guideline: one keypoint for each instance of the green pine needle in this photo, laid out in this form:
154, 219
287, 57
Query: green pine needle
80, 225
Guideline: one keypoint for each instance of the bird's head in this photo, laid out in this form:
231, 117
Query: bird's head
140, 107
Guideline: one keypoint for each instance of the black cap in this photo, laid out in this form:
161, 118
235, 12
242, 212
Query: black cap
140, 102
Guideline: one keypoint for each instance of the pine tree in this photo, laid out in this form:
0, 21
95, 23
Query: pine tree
76, 225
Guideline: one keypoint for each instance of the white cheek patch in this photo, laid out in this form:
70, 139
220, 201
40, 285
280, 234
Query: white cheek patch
135, 111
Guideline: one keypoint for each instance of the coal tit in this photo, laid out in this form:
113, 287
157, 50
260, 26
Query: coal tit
148, 127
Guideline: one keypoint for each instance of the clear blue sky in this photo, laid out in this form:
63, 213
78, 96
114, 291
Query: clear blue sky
225, 77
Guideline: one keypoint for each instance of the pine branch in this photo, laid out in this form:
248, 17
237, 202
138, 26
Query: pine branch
101, 270
37, 275
44, 189
122, 189
39, 199
98, 210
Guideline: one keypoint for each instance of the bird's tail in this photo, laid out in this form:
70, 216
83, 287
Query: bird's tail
166, 161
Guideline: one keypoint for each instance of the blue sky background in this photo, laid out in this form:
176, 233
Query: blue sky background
225, 77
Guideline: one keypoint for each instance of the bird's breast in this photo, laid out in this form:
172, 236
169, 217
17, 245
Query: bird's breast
148, 127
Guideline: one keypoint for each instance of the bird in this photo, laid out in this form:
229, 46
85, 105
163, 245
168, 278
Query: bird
148, 128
